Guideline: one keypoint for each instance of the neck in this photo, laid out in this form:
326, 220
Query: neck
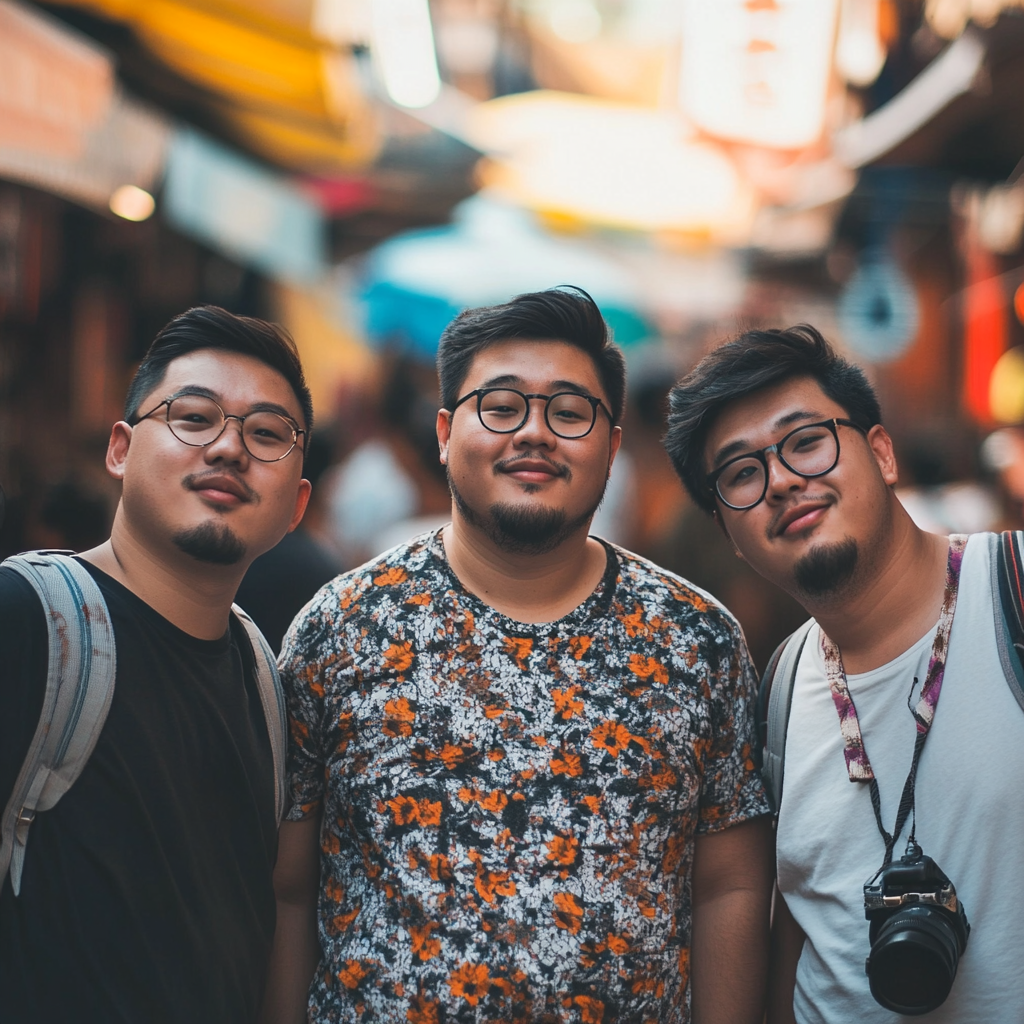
194, 596
893, 600
525, 587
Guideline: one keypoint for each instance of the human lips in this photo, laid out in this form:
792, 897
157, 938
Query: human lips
220, 488
530, 470
800, 517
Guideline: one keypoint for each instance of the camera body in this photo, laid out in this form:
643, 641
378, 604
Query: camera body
918, 932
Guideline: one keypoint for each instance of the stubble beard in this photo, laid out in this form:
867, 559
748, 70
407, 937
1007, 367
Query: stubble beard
826, 570
213, 543
523, 529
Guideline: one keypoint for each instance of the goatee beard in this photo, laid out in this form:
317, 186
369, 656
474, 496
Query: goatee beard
523, 529
826, 569
211, 543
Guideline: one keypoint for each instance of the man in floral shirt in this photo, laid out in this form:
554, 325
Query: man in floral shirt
520, 764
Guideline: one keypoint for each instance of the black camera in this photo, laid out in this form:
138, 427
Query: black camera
918, 933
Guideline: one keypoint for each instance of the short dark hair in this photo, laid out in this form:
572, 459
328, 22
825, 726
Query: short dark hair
566, 313
212, 327
754, 361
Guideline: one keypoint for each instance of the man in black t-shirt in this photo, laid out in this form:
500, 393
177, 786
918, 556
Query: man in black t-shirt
146, 893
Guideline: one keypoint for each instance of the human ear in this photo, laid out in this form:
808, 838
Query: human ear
117, 449
614, 441
444, 433
301, 501
882, 449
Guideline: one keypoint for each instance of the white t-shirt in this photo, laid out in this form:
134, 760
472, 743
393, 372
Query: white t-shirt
970, 816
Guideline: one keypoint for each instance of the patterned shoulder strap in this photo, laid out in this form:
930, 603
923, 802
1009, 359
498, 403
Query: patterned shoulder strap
1008, 597
79, 688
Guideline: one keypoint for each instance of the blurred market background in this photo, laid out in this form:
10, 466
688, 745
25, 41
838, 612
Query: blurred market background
361, 170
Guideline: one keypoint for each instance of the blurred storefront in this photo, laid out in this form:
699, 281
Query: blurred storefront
362, 169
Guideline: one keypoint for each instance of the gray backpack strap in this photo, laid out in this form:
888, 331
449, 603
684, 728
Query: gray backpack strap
272, 696
1006, 552
776, 697
79, 688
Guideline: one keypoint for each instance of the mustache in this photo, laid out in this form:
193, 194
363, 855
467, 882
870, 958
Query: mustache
559, 468
773, 526
195, 480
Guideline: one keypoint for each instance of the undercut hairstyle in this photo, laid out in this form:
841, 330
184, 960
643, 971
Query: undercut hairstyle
210, 327
566, 313
752, 362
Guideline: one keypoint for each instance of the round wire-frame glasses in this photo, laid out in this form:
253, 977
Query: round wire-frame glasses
810, 450
568, 414
198, 420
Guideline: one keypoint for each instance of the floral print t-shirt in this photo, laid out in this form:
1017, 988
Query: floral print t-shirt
510, 809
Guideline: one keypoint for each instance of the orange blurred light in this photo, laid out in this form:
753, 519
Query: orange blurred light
1018, 302
132, 203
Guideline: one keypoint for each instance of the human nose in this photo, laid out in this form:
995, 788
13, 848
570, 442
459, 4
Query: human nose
229, 444
782, 481
535, 432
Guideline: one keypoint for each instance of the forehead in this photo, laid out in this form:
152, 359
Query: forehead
237, 380
758, 420
534, 364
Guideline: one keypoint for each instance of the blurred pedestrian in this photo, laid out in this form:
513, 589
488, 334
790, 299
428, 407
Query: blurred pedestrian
781, 441
520, 769
145, 893
280, 581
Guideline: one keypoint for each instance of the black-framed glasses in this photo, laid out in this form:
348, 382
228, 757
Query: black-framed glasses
568, 414
809, 451
198, 421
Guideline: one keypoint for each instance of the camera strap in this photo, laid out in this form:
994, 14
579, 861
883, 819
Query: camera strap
858, 766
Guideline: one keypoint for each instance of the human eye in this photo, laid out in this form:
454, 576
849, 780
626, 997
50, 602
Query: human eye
809, 439
268, 428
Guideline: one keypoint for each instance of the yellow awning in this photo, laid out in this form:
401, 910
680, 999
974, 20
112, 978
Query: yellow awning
293, 97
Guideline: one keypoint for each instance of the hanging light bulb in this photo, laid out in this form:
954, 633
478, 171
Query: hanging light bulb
403, 49
859, 51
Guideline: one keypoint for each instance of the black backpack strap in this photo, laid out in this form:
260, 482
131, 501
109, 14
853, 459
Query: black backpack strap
1008, 597
774, 701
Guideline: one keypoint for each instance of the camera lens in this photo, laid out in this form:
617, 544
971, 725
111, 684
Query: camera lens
913, 960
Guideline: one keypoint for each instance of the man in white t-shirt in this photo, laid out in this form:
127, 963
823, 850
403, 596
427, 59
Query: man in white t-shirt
780, 440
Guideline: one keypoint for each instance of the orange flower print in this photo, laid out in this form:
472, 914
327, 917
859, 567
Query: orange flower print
591, 1009
398, 716
429, 812
470, 981
563, 849
440, 869
342, 922
617, 944
399, 656
491, 884
566, 704
566, 764
352, 974
395, 575
519, 648
568, 913
423, 945
648, 668
420, 599
405, 809
579, 645
611, 736
422, 1010
452, 756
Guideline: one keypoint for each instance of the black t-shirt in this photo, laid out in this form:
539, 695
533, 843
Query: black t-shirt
146, 895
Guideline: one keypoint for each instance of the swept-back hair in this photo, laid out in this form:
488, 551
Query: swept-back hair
566, 313
754, 361
212, 327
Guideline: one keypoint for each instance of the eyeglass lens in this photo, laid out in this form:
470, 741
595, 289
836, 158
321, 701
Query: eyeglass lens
809, 451
568, 415
200, 421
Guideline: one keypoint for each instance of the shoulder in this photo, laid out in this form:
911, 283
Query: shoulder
406, 574
665, 593
20, 607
